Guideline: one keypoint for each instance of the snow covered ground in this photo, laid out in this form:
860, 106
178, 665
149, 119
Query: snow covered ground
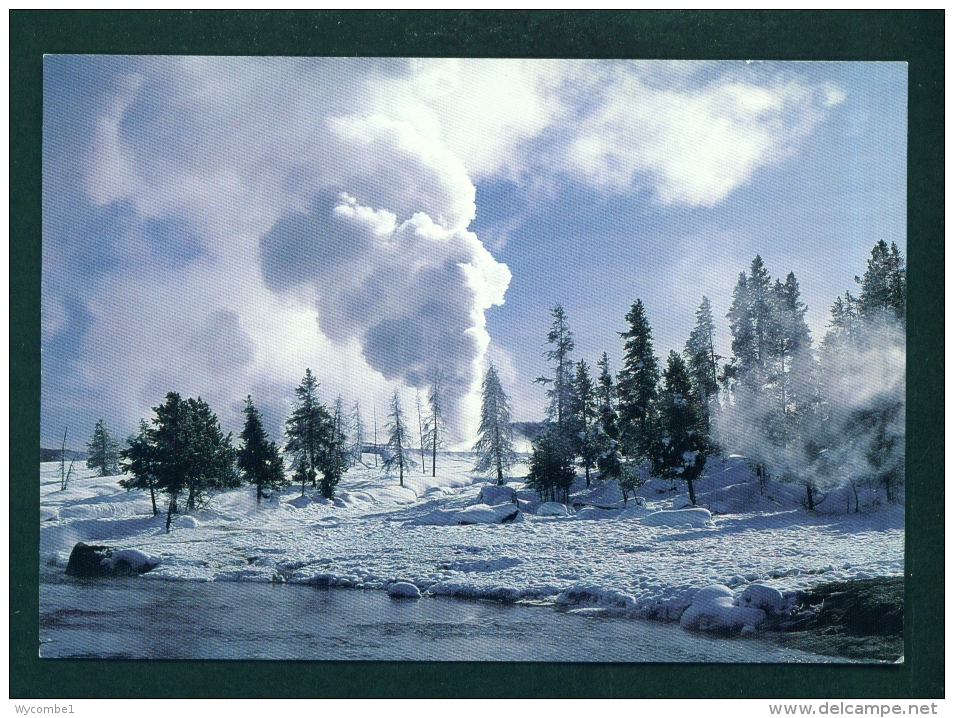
596, 557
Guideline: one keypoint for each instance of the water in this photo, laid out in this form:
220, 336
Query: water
143, 618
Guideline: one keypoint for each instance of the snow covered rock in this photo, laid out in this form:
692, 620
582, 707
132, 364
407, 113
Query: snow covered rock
438, 517
697, 518
712, 609
765, 598
552, 508
596, 597
95, 561
494, 495
483, 514
404, 590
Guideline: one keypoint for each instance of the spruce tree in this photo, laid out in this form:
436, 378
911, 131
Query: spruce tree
609, 460
637, 386
309, 429
551, 467
681, 451
494, 447
139, 463
103, 451
560, 385
333, 456
258, 457
585, 417
434, 426
399, 443
884, 285
703, 365
357, 434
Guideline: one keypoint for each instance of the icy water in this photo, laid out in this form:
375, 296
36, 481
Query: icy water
143, 618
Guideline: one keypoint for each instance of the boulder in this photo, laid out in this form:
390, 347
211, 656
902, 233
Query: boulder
552, 508
696, 518
403, 589
99, 561
482, 514
494, 495
765, 598
712, 609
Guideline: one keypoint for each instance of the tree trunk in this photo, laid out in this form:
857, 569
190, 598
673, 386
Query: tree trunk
811, 497
258, 494
855, 489
172, 508
434, 449
692, 492
587, 468
152, 495
500, 479
887, 489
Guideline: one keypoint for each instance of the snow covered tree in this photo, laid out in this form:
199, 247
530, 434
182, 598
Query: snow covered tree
334, 453
681, 451
189, 453
103, 451
434, 427
258, 457
309, 429
703, 364
494, 447
637, 386
560, 385
609, 460
551, 467
884, 285
139, 464
357, 434
585, 419
399, 444
420, 428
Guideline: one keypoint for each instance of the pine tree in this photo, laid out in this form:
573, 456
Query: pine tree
357, 434
309, 429
420, 428
103, 451
681, 452
703, 365
561, 383
884, 285
434, 427
258, 458
637, 386
399, 444
551, 467
189, 453
609, 460
139, 462
494, 447
333, 457
585, 416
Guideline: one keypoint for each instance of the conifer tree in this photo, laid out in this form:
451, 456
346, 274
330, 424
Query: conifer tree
551, 467
637, 386
333, 457
103, 451
139, 464
258, 457
560, 385
681, 452
357, 434
703, 364
434, 427
609, 460
494, 447
884, 285
309, 429
399, 444
585, 419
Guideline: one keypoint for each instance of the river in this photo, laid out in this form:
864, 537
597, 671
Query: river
147, 618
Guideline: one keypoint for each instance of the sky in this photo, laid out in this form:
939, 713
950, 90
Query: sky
214, 226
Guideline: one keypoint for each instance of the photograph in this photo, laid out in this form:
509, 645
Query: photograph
472, 359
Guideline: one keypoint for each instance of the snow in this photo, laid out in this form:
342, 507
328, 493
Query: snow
552, 508
693, 518
765, 598
404, 590
712, 609
136, 561
493, 495
600, 557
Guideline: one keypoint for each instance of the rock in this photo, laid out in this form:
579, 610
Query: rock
494, 495
766, 598
695, 518
482, 514
404, 590
712, 610
99, 561
552, 508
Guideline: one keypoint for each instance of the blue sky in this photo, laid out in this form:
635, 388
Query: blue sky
214, 226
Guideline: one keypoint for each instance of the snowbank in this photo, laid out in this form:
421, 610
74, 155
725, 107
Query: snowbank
479, 514
696, 518
552, 508
712, 609
493, 495
766, 598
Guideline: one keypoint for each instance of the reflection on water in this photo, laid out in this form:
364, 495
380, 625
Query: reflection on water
144, 618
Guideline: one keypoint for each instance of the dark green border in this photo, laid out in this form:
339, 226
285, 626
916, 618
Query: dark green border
914, 37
